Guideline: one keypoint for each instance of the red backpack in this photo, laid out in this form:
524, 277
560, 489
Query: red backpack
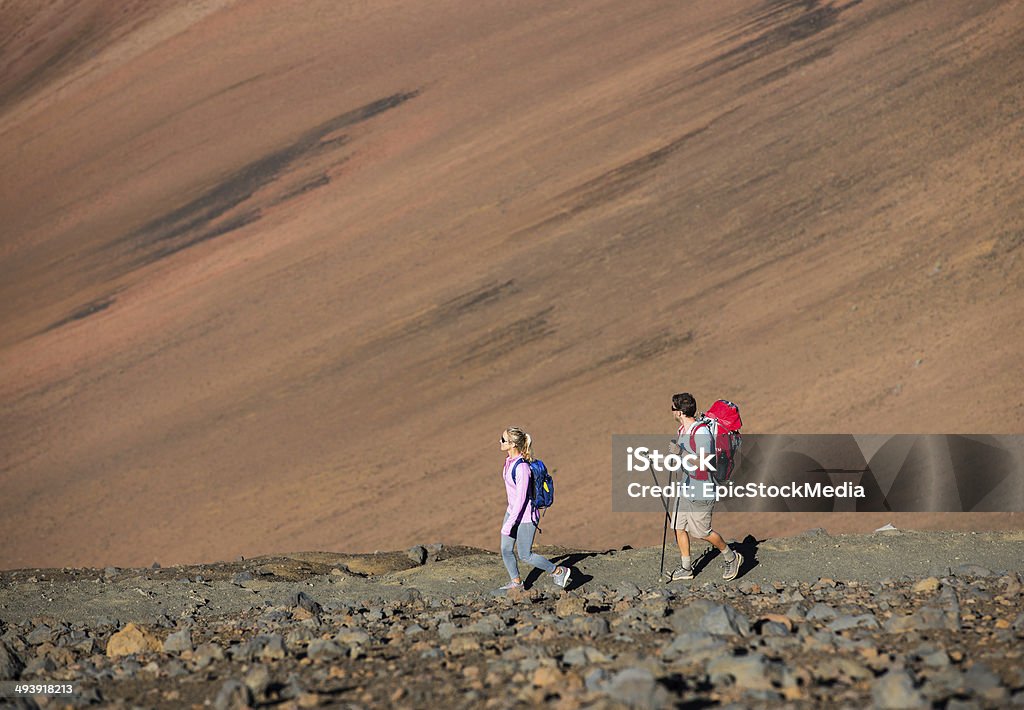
723, 422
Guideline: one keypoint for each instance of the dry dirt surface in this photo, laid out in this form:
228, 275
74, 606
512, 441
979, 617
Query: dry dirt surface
275, 276
894, 620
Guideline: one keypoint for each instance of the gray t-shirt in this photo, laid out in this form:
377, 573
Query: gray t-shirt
702, 442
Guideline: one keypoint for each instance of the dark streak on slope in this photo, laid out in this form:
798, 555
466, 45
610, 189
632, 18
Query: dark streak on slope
811, 18
441, 315
100, 304
59, 60
617, 182
788, 69
307, 186
177, 229
466, 302
507, 338
647, 349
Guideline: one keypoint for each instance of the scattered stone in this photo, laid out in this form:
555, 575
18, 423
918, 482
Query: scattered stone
821, 612
418, 554
835, 668
595, 680
722, 619
258, 680
301, 600
746, 672
627, 591
943, 614
582, 656
895, 691
570, 605
178, 642
985, 684
842, 623
11, 664
233, 694
547, 676
929, 584
41, 634
324, 650
695, 647
133, 639
783, 620
972, 570
591, 626
352, 637
463, 643
207, 653
637, 687
797, 612
434, 551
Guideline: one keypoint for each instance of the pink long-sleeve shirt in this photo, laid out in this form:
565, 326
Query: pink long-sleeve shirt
517, 493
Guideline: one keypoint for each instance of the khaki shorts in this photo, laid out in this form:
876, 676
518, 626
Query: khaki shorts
693, 516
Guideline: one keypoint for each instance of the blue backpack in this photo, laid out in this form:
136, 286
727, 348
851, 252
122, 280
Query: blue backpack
542, 488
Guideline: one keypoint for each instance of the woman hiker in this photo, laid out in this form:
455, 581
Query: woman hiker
518, 529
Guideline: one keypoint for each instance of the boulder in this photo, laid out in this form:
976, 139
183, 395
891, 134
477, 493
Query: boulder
895, 691
636, 687
178, 642
133, 639
11, 664
234, 694
712, 617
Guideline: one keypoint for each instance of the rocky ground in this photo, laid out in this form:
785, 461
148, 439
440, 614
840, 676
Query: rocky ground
894, 619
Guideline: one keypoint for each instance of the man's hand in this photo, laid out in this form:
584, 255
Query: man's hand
674, 448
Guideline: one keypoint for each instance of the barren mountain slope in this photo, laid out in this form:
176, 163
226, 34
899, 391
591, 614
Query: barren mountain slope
275, 277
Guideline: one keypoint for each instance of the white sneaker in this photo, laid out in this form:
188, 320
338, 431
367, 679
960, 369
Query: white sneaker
732, 569
562, 579
681, 573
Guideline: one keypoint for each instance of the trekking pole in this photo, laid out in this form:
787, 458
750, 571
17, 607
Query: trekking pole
664, 540
664, 532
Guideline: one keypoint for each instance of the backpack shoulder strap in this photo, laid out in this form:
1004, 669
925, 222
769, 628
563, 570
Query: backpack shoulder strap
693, 434
514, 466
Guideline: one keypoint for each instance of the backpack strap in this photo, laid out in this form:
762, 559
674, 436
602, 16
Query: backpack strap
519, 515
693, 446
518, 461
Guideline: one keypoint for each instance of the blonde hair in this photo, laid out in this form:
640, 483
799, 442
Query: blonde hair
522, 442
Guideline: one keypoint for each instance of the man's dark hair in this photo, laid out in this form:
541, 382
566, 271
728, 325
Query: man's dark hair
685, 403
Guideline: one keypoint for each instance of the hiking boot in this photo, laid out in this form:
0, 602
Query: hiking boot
681, 573
732, 569
561, 579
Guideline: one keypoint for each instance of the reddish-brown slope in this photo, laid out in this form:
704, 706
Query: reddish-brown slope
276, 278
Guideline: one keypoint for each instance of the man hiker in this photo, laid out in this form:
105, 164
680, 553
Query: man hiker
692, 514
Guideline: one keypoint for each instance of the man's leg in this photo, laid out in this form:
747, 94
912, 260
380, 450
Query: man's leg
733, 559
683, 541
685, 569
717, 540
